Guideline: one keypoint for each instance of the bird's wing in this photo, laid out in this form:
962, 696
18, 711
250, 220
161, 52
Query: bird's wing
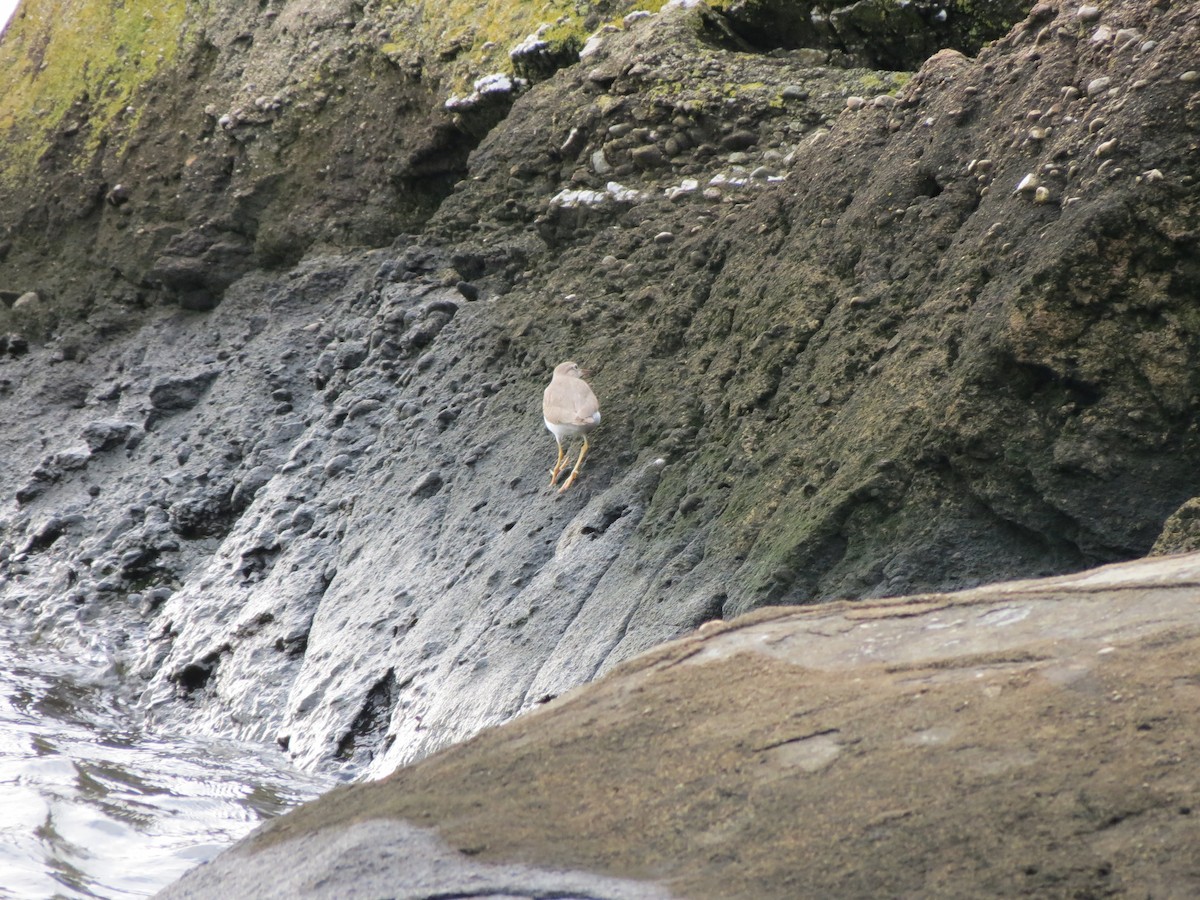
557, 405
570, 401
583, 402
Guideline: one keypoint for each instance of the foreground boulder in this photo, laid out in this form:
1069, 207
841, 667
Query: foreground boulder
1029, 738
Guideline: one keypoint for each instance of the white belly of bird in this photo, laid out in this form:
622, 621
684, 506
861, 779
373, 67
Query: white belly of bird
572, 429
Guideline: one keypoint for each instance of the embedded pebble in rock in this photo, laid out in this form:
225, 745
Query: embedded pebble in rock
350, 354
739, 140
649, 156
1127, 37
1190, 76
1108, 148
364, 406
70, 460
254, 481
853, 103
1098, 85
1029, 183
1041, 195
104, 434
180, 392
1088, 13
427, 485
338, 464
664, 237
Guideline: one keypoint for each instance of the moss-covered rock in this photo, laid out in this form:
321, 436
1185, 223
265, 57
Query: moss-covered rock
72, 72
220, 118
890, 363
1181, 532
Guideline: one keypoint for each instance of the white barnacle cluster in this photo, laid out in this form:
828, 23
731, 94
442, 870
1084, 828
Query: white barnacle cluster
613, 192
498, 84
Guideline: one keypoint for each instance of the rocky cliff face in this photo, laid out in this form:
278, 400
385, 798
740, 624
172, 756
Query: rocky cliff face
855, 332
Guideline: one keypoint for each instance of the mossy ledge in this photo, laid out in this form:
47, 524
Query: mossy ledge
127, 125
75, 67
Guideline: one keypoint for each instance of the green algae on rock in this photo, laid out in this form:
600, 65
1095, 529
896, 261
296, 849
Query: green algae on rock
60, 57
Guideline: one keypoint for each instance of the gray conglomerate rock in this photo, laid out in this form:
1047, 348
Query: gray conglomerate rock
1181, 532
1031, 738
855, 334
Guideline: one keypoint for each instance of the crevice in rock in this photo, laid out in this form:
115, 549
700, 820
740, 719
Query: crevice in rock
712, 611
896, 35
1035, 380
257, 562
196, 676
367, 736
604, 521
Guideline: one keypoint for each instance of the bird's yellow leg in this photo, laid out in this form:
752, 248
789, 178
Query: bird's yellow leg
578, 465
563, 462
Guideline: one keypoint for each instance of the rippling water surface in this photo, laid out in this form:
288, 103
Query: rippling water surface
93, 806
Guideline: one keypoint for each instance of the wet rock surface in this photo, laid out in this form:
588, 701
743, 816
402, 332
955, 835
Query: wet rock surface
1029, 738
856, 333
842, 349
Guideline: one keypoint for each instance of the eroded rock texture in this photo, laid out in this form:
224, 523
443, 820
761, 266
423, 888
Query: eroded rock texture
855, 333
1029, 738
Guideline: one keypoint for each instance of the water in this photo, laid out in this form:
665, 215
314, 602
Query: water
91, 805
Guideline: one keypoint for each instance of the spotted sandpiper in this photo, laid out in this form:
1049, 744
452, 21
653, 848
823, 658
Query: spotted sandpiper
570, 410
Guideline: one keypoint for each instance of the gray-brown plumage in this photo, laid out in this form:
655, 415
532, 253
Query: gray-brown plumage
570, 410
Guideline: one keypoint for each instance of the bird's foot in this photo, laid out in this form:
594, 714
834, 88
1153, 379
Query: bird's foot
578, 465
557, 471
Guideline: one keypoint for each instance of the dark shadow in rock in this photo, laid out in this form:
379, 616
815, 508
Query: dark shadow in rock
195, 676
368, 735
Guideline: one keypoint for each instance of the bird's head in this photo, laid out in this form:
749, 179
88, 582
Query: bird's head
570, 369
